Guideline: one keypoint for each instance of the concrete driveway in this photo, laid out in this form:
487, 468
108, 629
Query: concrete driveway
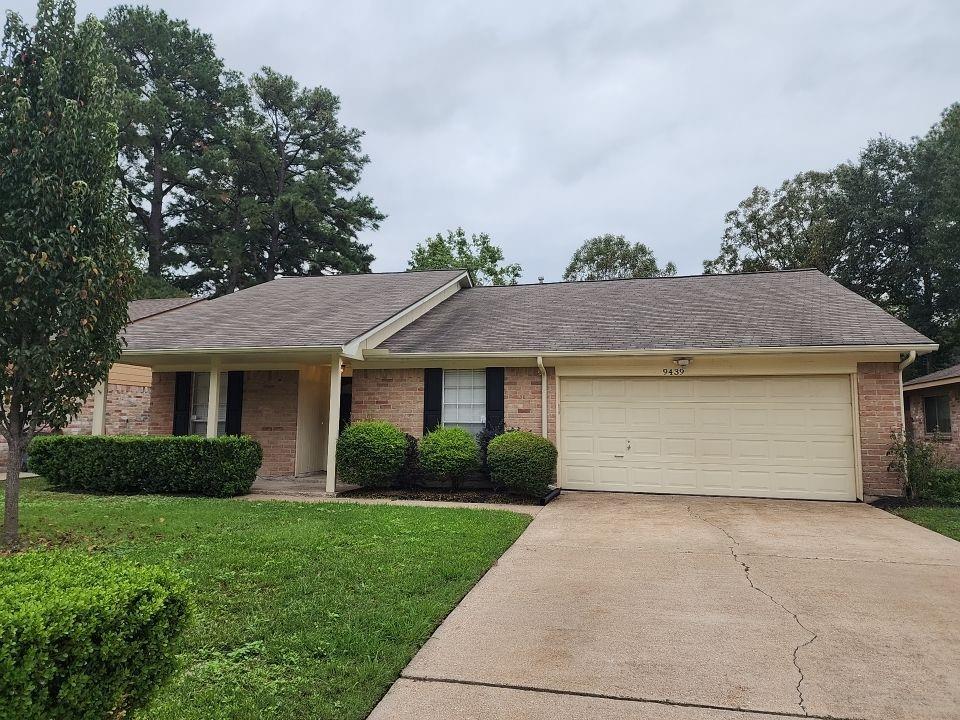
671, 608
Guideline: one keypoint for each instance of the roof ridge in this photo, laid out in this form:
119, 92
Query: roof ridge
659, 277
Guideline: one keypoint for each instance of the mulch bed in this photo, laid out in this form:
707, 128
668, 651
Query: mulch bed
436, 494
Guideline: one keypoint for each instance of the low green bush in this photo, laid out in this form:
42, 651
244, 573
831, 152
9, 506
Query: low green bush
83, 637
923, 465
942, 486
449, 454
522, 462
371, 453
182, 465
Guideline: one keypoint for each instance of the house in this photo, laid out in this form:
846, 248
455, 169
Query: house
933, 410
124, 409
768, 385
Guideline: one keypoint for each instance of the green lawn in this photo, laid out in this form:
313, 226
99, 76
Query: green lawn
944, 520
302, 611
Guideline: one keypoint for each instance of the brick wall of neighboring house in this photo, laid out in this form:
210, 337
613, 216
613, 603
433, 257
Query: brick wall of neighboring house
878, 394
395, 395
521, 400
161, 403
270, 416
949, 446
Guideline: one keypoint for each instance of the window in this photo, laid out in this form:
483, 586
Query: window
465, 399
936, 414
200, 394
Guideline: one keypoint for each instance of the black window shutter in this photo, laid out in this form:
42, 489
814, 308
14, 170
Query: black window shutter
234, 401
181, 403
432, 398
495, 398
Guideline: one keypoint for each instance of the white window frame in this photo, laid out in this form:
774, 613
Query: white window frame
475, 411
198, 405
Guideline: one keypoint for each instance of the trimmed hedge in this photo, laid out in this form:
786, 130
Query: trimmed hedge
449, 454
83, 637
371, 453
182, 465
522, 462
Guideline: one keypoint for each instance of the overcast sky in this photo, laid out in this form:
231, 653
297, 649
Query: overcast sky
545, 123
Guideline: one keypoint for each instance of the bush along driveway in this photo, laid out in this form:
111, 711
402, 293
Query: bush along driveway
672, 608
301, 610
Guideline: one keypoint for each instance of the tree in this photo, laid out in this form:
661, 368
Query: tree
284, 200
792, 227
612, 257
176, 100
66, 270
476, 254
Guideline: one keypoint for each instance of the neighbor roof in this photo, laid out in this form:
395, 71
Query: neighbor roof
785, 309
139, 309
324, 311
946, 374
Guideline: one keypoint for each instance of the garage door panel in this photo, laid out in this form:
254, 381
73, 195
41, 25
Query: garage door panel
764, 437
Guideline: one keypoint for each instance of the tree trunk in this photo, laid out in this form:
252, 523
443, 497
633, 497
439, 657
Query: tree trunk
11, 504
155, 223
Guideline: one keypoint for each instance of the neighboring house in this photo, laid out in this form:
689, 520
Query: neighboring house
766, 385
933, 410
125, 407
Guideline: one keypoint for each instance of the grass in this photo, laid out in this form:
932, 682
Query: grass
941, 519
302, 610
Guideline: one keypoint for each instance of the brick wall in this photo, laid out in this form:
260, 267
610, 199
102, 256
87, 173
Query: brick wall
270, 416
161, 403
878, 393
521, 400
394, 395
949, 447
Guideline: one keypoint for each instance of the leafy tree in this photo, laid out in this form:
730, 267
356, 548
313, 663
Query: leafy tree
284, 201
612, 257
476, 254
148, 287
791, 227
66, 272
176, 100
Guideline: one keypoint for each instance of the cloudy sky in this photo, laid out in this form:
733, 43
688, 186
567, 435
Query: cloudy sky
545, 123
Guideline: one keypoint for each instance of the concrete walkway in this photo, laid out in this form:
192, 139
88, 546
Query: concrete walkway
670, 608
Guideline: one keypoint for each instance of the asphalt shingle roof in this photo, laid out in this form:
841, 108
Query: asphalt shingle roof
139, 309
946, 374
324, 311
787, 309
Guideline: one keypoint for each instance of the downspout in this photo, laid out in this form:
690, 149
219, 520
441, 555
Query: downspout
543, 396
904, 364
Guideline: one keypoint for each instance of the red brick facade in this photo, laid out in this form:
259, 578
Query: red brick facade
950, 445
392, 395
269, 414
521, 400
878, 394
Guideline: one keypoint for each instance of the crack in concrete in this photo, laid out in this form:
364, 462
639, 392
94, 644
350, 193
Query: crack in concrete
734, 544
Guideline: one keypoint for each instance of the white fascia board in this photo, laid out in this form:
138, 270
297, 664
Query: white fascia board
368, 340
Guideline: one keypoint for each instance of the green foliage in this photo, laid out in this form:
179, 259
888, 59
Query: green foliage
923, 467
476, 254
522, 462
284, 200
371, 453
83, 637
176, 102
149, 287
611, 257
449, 454
187, 465
886, 225
67, 270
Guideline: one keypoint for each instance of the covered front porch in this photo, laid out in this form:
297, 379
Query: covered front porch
293, 405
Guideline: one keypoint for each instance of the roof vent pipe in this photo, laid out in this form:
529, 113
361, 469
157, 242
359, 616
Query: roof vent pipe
543, 396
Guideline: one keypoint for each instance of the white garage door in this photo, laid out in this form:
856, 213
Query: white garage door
786, 437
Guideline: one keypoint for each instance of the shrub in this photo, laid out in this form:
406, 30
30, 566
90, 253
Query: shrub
187, 465
942, 486
371, 453
411, 473
522, 462
449, 454
83, 637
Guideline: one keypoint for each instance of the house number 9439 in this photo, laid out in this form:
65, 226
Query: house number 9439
674, 371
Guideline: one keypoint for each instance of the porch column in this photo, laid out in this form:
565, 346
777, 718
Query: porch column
333, 423
213, 401
99, 426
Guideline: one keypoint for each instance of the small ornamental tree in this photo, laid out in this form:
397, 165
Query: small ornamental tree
65, 264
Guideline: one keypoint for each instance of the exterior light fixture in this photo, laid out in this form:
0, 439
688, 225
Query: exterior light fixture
682, 361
